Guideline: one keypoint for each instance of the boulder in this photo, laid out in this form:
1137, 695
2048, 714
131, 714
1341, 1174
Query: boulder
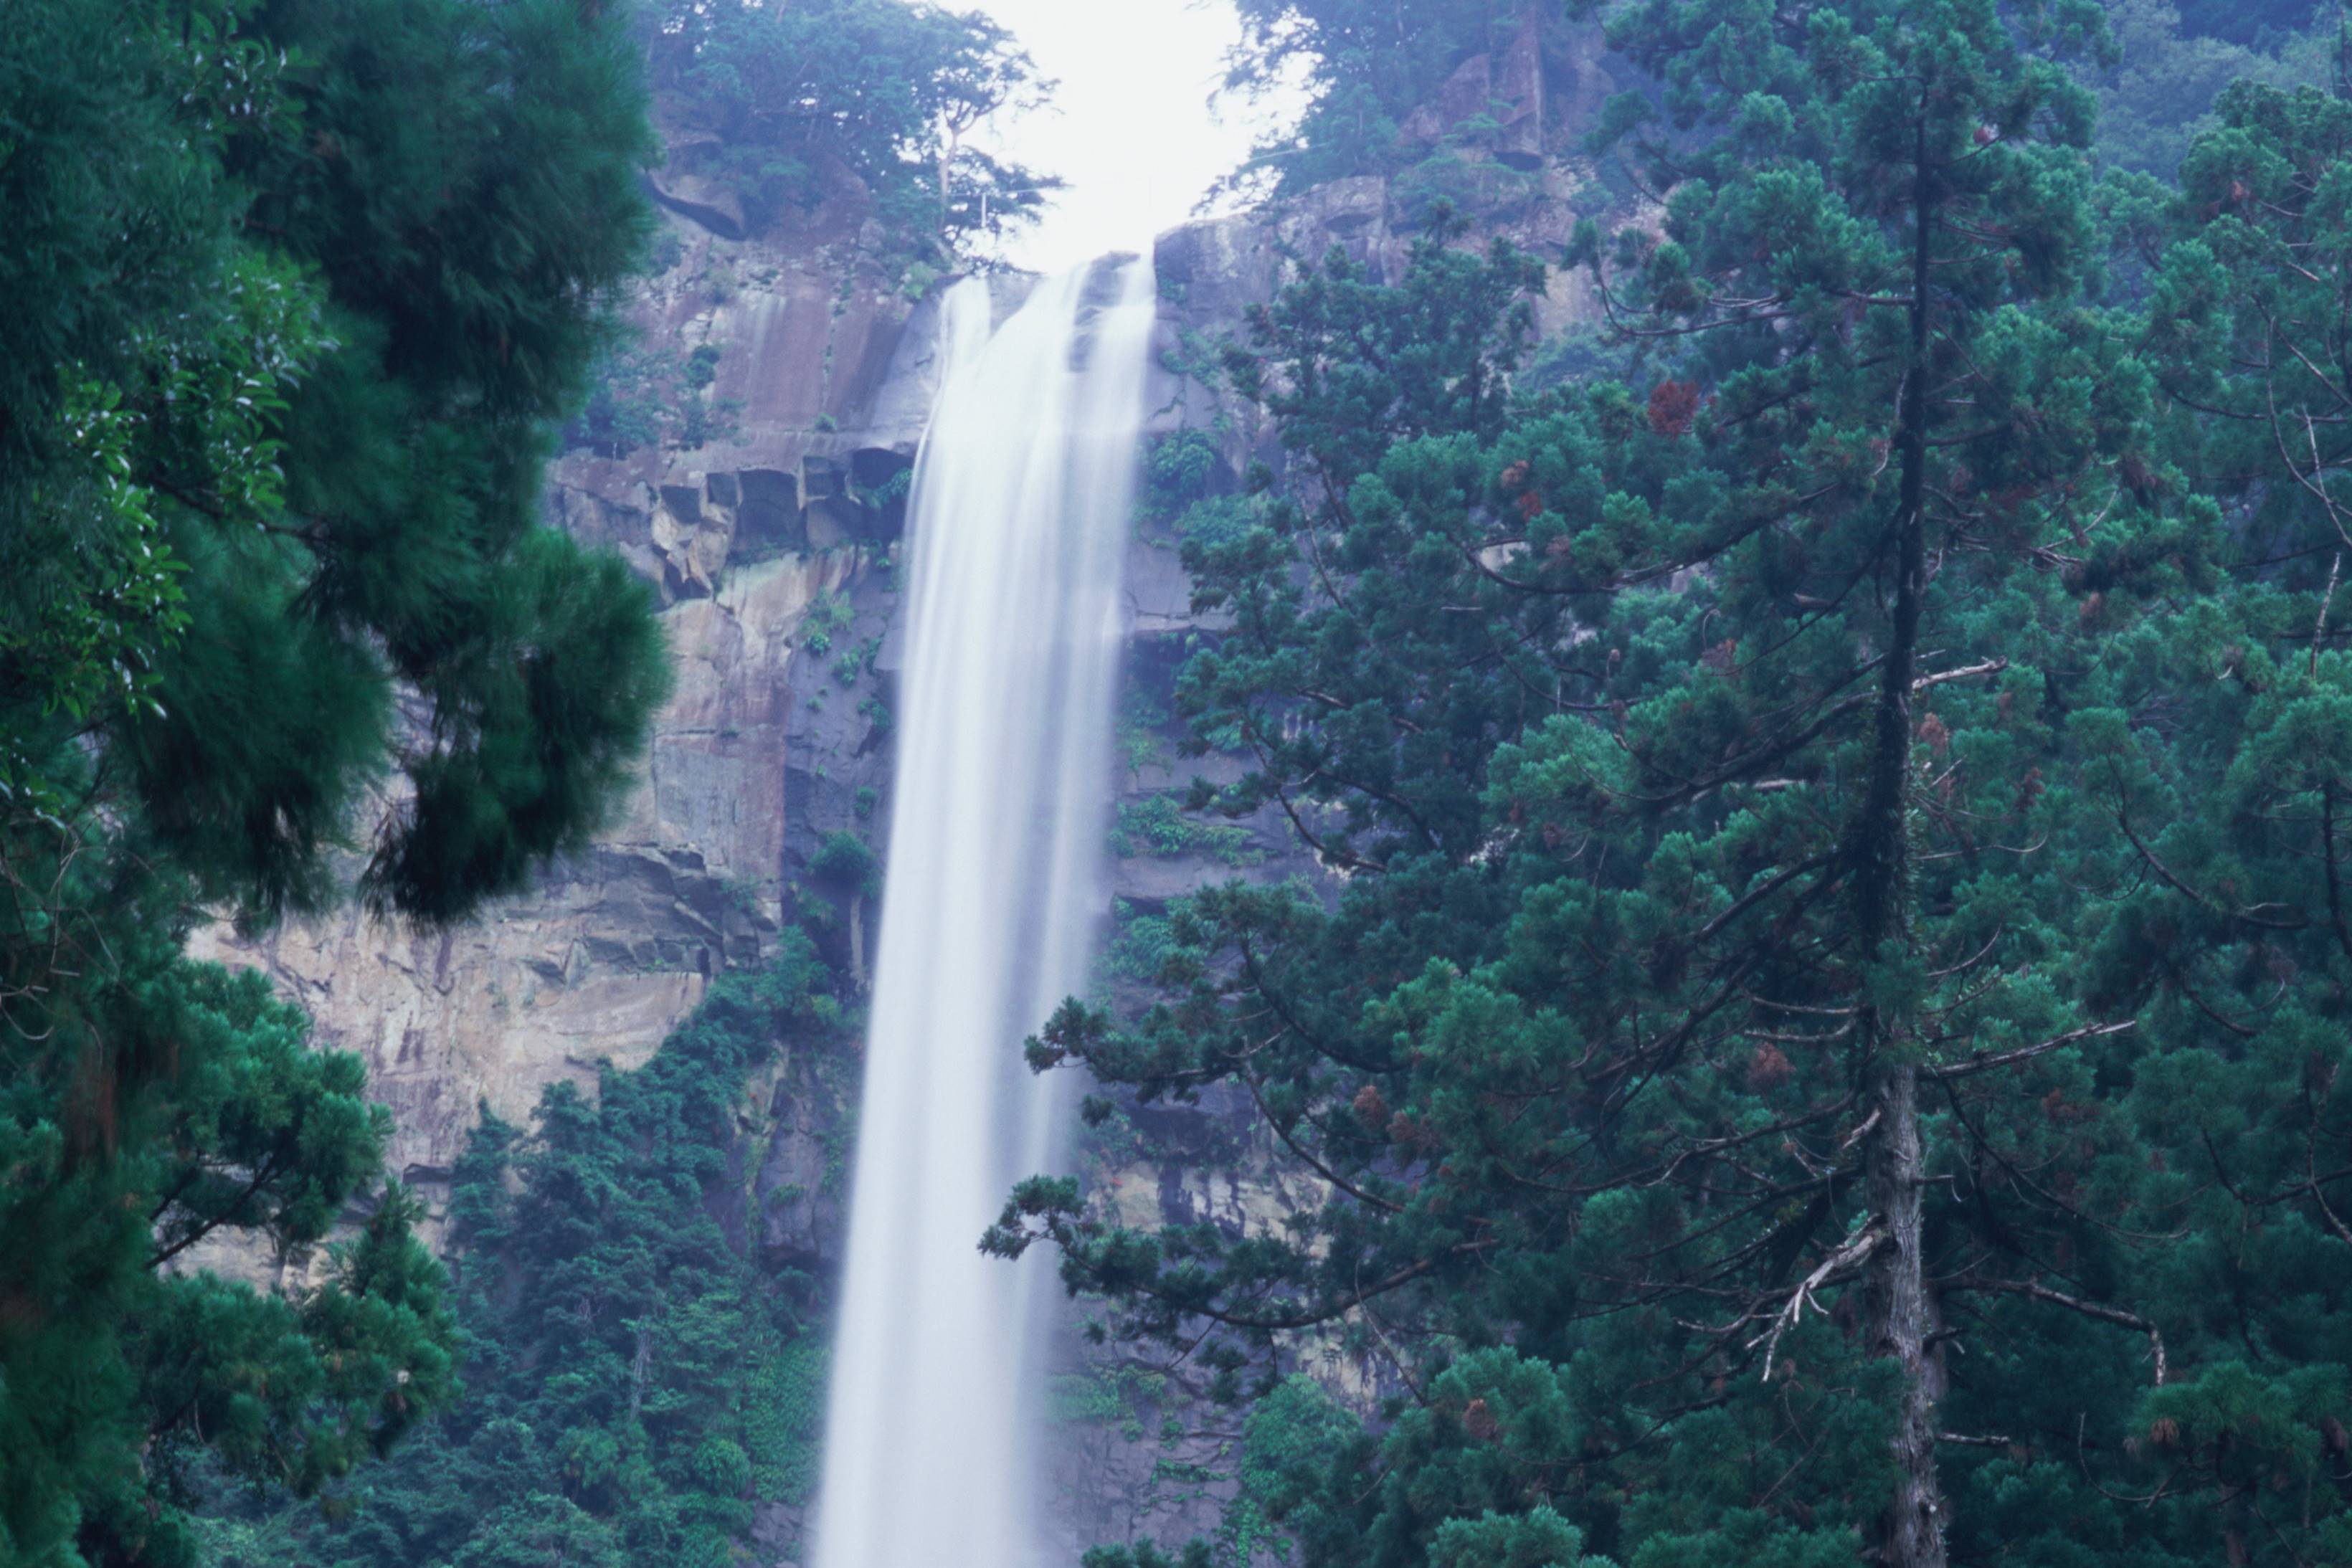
830, 522
800, 1212
821, 476
1507, 88
684, 501
768, 513
1519, 94
714, 205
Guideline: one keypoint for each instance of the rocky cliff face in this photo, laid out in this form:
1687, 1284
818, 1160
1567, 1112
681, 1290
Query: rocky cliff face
772, 552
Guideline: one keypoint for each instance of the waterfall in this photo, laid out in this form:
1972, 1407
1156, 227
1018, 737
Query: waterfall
1018, 525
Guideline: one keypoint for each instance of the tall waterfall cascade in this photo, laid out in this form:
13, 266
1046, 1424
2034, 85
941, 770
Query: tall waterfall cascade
1018, 526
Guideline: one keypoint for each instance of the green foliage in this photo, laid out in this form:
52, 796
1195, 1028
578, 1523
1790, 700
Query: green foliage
1137, 740
1144, 1555
827, 614
845, 861
1139, 944
892, 492
642, 396
1157, 825
1183, 492
857, 662
1367, 64
2248, 21
1461, 175
308, 474
2160, 92
636, 1379
802, 102
1177, 471
785, 1424
1824, 1047
217, 1119
287, 332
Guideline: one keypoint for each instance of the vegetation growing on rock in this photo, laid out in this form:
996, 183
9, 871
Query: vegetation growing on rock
789, 105
639, 1373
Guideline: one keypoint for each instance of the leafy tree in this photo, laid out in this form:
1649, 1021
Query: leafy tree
783, 102
1367, 64
287, 334
1822, 1049
2248, 21
106, 1356
2161, 89
473, 301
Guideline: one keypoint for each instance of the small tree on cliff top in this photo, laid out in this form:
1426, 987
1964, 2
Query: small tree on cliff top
797, 96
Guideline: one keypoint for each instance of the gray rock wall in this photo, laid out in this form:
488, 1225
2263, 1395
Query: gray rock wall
772, 565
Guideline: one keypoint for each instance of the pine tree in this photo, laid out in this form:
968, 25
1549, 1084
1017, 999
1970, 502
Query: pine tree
296, 293
1801, 804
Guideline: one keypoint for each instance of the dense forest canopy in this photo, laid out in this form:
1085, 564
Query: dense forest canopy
632, 1377
1826, 1049
2248, 21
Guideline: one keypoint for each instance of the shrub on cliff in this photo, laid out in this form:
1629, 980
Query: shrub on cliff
637, 1379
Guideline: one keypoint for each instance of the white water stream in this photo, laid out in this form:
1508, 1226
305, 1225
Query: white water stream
1018, 524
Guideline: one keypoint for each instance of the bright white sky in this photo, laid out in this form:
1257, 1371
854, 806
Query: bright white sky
1129, 126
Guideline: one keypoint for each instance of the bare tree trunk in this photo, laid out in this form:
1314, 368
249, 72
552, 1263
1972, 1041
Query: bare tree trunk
1902, 1315
639, 1364
950, 137
858, 940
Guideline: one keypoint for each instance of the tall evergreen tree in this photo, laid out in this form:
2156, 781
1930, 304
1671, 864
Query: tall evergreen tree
297, 295
1818, 819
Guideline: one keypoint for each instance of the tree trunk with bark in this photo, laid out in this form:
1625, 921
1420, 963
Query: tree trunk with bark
1902, 1315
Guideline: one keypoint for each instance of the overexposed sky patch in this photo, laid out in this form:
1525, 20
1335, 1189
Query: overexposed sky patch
1129, 127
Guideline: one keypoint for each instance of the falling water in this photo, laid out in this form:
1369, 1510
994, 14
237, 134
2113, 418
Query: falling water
1019, 518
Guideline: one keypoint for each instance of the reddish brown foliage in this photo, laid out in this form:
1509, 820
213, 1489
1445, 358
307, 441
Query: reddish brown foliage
1674, 406
1935, 735
1768, 1068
